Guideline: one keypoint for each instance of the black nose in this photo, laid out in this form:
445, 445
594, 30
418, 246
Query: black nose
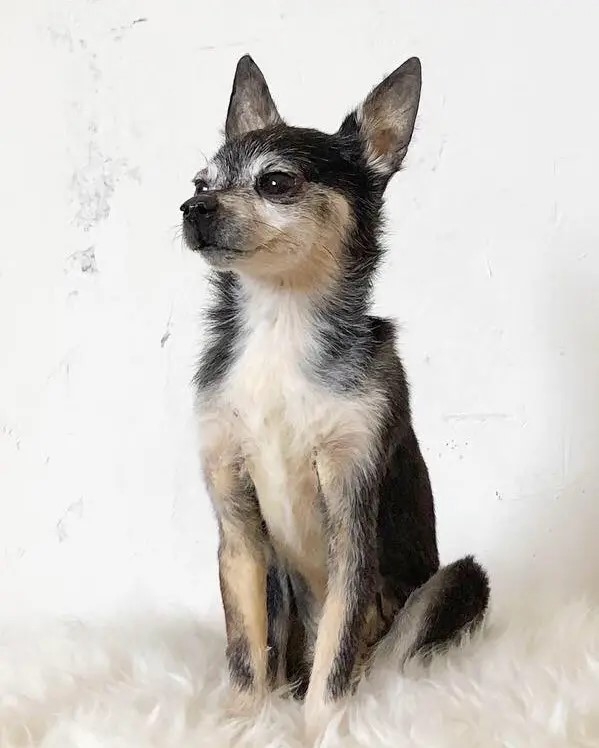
203, 204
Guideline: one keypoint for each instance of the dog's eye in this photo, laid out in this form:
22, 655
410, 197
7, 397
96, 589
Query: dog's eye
201, 186
278, 184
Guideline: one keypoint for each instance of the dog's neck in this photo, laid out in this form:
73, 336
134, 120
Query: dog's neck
269, 301
329, 334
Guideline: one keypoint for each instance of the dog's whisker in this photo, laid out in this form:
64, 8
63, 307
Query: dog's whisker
290, 240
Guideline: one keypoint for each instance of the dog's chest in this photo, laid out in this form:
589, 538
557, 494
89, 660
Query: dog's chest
281, 419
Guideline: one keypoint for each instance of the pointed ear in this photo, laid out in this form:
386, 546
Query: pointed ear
385, 120
251, 106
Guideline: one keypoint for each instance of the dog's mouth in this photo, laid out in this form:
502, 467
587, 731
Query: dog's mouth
209, 248
216, 255
220, 254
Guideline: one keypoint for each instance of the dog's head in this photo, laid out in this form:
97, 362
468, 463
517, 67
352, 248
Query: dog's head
290, 204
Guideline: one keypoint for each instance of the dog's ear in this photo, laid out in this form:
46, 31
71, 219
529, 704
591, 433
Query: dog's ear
251, 106
385, 120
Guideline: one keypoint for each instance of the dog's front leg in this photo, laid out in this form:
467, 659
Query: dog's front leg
242, 557
242, 573
350, 502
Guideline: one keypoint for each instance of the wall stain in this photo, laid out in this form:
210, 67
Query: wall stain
73, 513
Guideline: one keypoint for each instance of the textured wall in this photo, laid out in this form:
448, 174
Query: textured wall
493, 270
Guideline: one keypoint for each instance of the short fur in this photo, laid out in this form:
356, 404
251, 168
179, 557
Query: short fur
323, 500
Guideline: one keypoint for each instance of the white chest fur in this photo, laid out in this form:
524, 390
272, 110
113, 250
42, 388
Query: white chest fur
282, 422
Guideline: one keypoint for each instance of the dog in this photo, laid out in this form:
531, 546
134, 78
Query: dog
327, 554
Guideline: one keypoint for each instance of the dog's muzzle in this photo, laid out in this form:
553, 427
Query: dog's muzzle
198, 216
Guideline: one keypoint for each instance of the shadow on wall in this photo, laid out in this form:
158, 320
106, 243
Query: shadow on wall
556, 553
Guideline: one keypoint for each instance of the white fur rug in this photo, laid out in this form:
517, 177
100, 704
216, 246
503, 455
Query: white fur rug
529, 683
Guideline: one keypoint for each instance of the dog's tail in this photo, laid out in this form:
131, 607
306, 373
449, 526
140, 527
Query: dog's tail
452, 602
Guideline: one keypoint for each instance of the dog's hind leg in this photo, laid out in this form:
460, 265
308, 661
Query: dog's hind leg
287, 642
453, 601
278, 609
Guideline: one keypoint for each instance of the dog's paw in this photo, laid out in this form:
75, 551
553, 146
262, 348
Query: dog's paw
245, 704
318, 713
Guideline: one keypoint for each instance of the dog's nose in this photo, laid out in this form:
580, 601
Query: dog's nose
203, 204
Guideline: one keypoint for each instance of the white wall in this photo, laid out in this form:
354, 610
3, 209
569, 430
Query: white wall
493, 270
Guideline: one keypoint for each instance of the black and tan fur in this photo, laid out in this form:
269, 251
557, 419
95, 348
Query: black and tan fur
328, 552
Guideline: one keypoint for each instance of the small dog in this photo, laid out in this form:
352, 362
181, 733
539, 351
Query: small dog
328, 552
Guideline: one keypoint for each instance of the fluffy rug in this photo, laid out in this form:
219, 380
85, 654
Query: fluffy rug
530, 682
